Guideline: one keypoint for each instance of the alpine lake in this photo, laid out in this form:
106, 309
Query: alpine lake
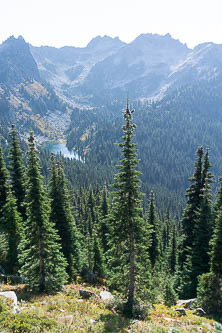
59, 148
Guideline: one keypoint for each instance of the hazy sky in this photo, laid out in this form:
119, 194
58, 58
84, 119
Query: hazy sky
76, 22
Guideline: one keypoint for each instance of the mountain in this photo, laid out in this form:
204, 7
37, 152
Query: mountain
78, 93
16, 62
25, 98
67, 67
110, 66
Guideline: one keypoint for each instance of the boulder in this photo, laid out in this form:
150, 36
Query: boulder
106, 296
182, 311
187, 303
11, 295
85, 293
200, 312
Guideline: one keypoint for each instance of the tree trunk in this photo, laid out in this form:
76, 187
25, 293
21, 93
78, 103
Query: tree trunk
130, 300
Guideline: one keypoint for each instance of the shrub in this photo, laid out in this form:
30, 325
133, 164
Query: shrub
209, 293
170, 295
23, 322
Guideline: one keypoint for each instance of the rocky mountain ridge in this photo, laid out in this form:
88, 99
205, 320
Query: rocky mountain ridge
38, 84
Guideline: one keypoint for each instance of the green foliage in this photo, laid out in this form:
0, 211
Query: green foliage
4, 184
197, 226
170, 296
154, 229
209, 293
12, 222
17, 171
62, 216
98, 258
41, 260
24, 323
127, 258
3, 306
216, 246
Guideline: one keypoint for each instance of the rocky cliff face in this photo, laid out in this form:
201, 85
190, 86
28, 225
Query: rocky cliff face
16, 62
24, 98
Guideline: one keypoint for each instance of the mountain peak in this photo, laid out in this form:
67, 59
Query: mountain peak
16, 62
104, 42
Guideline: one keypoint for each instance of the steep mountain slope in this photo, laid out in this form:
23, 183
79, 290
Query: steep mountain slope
67, 67
110, 66
24, 98
140, 68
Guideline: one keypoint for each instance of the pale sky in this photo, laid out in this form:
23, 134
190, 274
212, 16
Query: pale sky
75, 22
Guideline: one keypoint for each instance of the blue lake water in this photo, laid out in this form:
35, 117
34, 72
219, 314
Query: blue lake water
60, 148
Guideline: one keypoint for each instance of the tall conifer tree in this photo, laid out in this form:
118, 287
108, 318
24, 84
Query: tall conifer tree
62, 216
128, 254
153, 223
12, 225
17, 171
42, 262
4, 184
190, 216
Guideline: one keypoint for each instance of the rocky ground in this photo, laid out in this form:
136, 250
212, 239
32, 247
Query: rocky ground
73, 311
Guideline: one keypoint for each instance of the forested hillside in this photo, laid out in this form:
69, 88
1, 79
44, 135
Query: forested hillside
140, 213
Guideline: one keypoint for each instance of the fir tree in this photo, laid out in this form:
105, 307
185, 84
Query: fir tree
209, 291
42, 262
103, 222
17, 171
203, 233
62, 216
190, 216
11, 221
4, 184
172, 254
98, 258
128, 262
153, 223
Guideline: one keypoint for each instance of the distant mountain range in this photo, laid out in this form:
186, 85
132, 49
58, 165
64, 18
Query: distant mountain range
40, 86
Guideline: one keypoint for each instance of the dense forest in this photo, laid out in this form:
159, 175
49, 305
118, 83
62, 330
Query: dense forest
65, 226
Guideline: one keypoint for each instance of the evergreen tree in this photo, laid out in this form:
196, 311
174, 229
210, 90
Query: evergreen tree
11, 221
190, 216
103, 221
42, 263
4, 184
203, 233
197, 225
98, 258
172, 251
17, 171
128, 262
209, 291
62, 216
153, 223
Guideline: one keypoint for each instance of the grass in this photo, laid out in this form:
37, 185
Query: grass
66, 312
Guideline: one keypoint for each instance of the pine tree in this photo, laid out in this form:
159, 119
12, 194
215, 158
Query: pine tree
62, 216
98, 258
12, 224
41, 260
128, 262
153, 223
193, 204
209, 291
203, 233
172, 254
4, 184
197, 224
216, 247
190, 216
103, 222
17, 171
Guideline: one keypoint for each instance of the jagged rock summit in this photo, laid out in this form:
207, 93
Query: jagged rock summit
16, 62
